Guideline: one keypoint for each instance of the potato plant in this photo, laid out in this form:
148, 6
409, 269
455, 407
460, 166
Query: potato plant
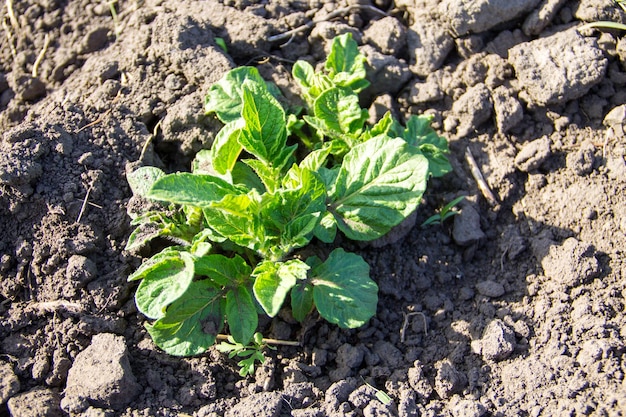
238, 221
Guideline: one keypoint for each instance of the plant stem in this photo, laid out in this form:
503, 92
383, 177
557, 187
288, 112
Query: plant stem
266, 341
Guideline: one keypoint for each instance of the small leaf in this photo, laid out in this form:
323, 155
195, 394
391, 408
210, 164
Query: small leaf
274, 280
223, 270
326, 229
195, 189
301, 300
241, 314
191, 323
341, 112
164, 284
226, 147
345, 64
236, 218
224, 97
343, 292
142, 179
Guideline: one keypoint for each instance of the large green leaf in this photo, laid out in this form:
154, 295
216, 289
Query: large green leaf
273, 280
224, 97
223, 270
195, 189
164, 284
241, 314
343, 292
265, 131
191, 323
379, 184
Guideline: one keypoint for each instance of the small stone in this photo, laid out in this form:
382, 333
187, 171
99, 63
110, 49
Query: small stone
36, 402
349, 356
466, 230
449, 380
9, 383
480, 15
533, 154
429, 44
568, 264
386, 34
80, 269
508, 109
264, 404
472, 108
498, 341
490, 289
95, 40
101, 376
27, 87
581, 161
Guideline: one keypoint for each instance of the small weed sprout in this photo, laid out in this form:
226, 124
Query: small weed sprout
445, 213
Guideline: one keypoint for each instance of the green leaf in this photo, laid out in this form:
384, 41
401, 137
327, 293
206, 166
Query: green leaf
224, 97
241, 314
155, 262
226, 147
143, 234
265, 132
301, 300
419, 133
191, 323
164, 284
274, 280
223, 270
326, 229
341, 113
379, 184
236, 218
304, 73
343, 292
195, 189
345, 64
142, 179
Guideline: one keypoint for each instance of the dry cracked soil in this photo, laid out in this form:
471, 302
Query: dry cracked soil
514, 307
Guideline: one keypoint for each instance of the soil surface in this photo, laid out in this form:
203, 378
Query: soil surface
515, 307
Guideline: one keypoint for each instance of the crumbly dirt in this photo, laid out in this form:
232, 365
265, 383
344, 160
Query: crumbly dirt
515, 307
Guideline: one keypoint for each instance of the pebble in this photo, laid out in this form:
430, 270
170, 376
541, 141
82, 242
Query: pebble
38, 401
9, 383
497, 342
101, 376
490, 289
533, 154
466, 230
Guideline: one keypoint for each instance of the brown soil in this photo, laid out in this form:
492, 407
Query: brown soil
514, 307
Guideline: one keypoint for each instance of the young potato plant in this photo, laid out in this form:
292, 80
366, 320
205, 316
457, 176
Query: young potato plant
272, 182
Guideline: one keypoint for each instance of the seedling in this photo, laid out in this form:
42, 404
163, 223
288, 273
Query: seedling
445, 213
603, 24
237, 222
251, 353
382, 396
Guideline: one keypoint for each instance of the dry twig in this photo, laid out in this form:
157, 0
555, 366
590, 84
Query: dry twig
480, 180
339, 12
405, 323
46, 43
